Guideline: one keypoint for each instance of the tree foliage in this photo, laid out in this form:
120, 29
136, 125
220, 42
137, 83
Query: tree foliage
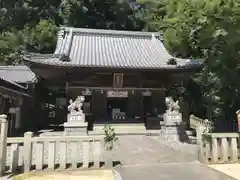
207, 30
31, 25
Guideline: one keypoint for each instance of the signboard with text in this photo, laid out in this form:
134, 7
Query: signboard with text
118, 94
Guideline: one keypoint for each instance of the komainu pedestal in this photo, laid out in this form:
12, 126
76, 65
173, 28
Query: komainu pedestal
76, 124
172, 120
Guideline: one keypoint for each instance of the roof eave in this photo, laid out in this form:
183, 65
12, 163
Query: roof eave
5, 89
13, 88
62, 65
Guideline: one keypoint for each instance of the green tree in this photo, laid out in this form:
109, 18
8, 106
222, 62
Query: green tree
18, 13
38, 39
11, 46
31, 25
209, 30
41, 38
100, 14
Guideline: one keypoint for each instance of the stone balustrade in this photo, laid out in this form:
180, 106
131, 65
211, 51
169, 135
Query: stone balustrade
200, 125
51, 152
196, 122
219, 148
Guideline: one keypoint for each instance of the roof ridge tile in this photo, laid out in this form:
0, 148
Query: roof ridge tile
109, 31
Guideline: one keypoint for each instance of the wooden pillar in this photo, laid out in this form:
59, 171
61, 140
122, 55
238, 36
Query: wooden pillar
141, 105
130, 105
67, 97
67, 89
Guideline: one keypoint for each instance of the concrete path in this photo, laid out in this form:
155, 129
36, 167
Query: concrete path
135, 150
171, 171
229, 169
144, 158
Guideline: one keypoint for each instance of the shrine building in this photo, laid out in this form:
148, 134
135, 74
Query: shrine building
122, 74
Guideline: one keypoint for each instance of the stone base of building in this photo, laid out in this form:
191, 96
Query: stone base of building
75, 128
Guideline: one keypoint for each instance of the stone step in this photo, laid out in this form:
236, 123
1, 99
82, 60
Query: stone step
131, 128
121, 129
122, 125
118, 133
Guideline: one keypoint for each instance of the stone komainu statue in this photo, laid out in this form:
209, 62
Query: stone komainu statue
76, 106
171, 105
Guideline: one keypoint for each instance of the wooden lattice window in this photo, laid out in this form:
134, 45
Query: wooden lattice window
117, 80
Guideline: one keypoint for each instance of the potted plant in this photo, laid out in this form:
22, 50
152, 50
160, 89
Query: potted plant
109, 140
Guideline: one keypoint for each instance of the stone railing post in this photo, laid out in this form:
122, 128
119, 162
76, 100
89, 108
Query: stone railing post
27, 146
3, 142
201, 154
199, 130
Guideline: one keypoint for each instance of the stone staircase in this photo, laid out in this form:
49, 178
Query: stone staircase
189, 147
134, 129
121, 129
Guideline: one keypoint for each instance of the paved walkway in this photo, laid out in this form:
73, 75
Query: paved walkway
134, 150
144, 158
229, 169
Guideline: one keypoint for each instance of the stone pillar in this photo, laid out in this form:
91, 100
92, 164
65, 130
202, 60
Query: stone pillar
3, 142
200, 130
27, 147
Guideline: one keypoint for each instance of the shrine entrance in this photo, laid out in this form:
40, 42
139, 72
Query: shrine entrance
117, 105
116, 108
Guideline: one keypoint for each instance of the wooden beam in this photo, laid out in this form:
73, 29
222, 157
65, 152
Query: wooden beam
111, 88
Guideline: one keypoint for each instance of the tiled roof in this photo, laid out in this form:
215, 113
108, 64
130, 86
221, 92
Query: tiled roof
12, 83
7, 86
110, 49
17, 74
